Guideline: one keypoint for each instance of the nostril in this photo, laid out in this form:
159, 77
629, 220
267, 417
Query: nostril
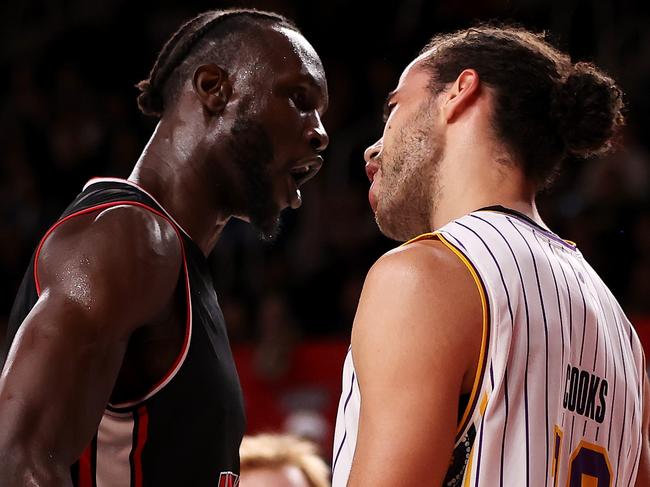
315, 144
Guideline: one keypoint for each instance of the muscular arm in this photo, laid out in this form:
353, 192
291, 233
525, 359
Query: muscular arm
415, 342
102, 276
643, 476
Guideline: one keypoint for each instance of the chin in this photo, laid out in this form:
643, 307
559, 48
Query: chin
267, 229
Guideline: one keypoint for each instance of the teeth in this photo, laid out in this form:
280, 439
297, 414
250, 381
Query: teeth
300, 170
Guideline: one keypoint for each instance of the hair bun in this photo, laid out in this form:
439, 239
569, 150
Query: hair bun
588, 110
149, 100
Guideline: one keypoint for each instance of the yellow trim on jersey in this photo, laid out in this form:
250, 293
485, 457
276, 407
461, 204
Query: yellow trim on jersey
480, 370
484, 403
468, 468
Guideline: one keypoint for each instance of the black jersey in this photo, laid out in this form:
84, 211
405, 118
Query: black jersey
187, 429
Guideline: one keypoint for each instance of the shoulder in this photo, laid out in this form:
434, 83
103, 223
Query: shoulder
428, 263
131, 232
121, 259
423, 284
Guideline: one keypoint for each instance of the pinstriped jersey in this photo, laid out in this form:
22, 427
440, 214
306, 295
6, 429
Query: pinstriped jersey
187, 429
557, 400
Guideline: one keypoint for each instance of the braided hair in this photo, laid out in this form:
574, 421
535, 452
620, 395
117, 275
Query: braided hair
215, 35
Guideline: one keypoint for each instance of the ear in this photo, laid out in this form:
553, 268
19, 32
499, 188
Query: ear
461, 94
213, 87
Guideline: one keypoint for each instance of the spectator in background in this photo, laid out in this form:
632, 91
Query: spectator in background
281, 461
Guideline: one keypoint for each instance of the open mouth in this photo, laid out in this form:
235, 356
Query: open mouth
305, 169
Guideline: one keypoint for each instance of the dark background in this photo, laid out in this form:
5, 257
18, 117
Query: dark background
68, 113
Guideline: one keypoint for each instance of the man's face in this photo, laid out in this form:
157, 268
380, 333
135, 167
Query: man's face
277, 133
285, 476
403, 164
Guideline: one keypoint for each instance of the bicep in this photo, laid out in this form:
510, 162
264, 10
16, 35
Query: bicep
413, 343
101, 277
57, 379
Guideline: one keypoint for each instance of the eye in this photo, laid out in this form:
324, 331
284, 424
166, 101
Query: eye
388, 108
301, 100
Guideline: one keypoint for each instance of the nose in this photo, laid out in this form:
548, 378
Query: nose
317, 136
372, 151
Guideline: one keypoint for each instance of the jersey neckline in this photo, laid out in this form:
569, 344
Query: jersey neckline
528, 220
140, 188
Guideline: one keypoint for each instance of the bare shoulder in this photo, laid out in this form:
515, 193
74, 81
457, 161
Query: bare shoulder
428, 267
122, 259
422, 287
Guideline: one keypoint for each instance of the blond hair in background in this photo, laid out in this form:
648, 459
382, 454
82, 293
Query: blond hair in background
271, 451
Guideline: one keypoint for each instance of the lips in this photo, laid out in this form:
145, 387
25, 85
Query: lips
299, 173
371, 170
305, 169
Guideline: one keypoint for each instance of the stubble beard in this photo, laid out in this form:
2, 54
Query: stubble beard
410, 183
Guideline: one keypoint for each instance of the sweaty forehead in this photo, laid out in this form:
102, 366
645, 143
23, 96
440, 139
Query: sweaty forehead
289, 50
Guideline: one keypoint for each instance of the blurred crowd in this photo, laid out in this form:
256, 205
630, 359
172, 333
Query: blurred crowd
68, 113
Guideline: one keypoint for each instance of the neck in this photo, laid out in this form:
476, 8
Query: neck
475, 179
171, 170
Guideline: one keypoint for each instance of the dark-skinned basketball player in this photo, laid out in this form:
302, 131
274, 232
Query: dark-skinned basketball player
117, 369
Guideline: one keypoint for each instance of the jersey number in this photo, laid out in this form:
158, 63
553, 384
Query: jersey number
588, 465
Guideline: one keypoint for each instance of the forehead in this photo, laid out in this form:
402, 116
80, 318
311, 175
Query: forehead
287, 52
415, 76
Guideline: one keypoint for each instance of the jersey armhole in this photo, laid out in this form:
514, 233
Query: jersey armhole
180, 359
473, 402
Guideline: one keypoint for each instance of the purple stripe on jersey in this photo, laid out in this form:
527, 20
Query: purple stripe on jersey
637, 455
584, 311
602, 310
620, 342
505, 425
568, 291
557, 291
597, 342
611, 413
503, 281
538, 228
455, 241
523, 289
345, 433
478, 458
541, 302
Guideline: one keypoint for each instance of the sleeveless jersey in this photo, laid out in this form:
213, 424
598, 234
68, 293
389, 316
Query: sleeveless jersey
557, 400
187, 429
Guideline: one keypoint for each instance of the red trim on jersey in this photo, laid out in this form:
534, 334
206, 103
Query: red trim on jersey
143, 424
85, 469
188, 322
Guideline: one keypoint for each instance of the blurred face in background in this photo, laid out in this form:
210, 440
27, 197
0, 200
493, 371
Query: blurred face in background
280, 476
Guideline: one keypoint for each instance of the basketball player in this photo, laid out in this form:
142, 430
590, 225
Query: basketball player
118, 370
276, 460
486, 351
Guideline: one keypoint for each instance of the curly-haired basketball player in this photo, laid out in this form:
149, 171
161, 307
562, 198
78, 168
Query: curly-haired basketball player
486, 351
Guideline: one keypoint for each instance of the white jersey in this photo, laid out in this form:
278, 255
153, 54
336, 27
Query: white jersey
557, 400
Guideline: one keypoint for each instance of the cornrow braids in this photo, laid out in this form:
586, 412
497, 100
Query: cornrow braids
155, 92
